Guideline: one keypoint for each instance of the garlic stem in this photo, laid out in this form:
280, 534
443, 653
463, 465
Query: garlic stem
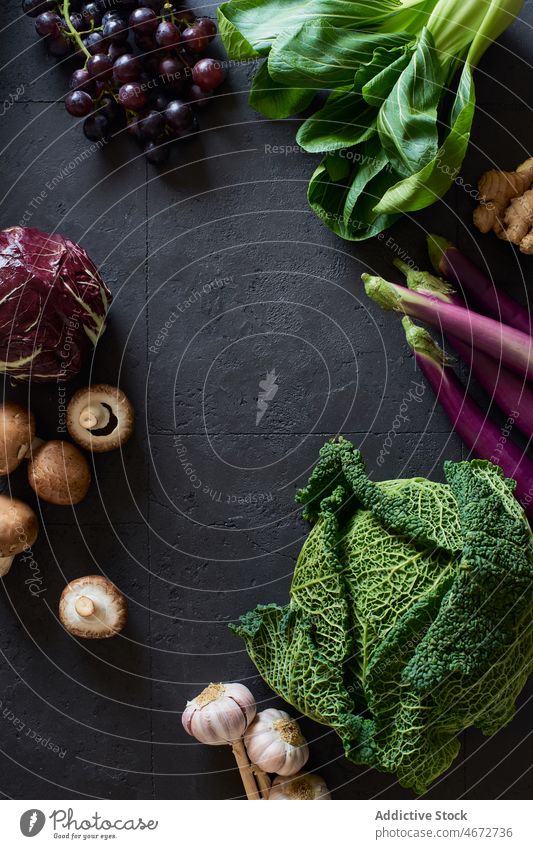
245, 769
263, 781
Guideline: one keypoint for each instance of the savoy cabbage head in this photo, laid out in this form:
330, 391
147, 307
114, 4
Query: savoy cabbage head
410, 612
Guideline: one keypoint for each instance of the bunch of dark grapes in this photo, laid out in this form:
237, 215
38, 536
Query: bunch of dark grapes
145, 67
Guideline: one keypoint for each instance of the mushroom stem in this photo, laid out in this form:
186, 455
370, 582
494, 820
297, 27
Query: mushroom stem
29, 450
245, 770
94, 416
263, 781
84, 606
5, 565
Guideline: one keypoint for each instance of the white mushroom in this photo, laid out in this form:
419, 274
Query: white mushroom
18, 530
93, 608
100, 417
17, 433
59, 473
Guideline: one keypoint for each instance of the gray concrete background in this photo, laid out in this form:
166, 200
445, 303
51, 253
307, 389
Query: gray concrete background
193, 556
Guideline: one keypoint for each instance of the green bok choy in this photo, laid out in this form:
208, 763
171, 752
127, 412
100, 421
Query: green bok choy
392, 142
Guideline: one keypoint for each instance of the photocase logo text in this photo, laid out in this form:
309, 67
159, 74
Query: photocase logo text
32, 822
268, 388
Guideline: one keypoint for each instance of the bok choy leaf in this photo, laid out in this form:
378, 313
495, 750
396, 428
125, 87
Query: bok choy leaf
387, 67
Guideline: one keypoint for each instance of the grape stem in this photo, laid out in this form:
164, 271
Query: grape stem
89, 31
71, 31
168, 9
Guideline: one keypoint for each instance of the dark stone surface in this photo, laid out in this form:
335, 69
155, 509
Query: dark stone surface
196, 521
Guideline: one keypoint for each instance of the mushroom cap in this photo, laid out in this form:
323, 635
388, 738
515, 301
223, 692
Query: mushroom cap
17, 431
102, 437
59, 473
109, 608
18, 526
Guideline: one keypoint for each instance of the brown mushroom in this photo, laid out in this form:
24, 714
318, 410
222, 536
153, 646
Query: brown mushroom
59, 473
18, 530
92, 607
100, 417
17, 432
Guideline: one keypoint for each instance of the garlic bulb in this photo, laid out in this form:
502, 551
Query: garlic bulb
299, 787
275, 743
220, 714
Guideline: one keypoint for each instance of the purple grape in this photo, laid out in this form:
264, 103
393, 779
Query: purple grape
126, 68
109, 15
95, 43
172, 69
96, 127
208, 74
146, 82
116, 50
77, 22
100, 67
91, 14
154, 5
112, 110
78, 103
146, 43
32, 8
179, 116
144, 21
195, 40
59, 46
151, 63
134, 129
208, 26
186, 15
131, 96
160, 86
167, 34
99, 88
198, 95
115, 31
48, 24
152, 125
160, 101
81, 80
156, 154
173, 74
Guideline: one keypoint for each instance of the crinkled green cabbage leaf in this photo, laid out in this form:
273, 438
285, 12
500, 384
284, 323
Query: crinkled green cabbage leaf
410, 612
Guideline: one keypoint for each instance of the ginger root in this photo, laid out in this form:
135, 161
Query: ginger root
506, 205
